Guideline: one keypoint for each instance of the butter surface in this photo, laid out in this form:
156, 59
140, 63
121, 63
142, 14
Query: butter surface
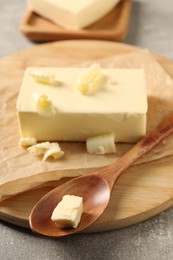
119, 107
73, 14
68, 212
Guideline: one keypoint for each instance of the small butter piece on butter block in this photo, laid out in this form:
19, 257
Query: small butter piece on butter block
47, 149
27, 141
45, 78
91, 80
44, 106
102, 144
68, 212
74, 14
115, 108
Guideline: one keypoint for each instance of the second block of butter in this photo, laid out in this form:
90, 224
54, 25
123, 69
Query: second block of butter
118, 107
73, 14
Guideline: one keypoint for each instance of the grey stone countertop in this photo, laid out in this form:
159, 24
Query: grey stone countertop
150, 27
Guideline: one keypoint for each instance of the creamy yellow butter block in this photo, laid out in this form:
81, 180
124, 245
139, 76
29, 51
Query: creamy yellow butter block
61, 112
73, 14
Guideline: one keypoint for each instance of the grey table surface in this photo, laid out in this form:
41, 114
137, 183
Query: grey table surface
150, 27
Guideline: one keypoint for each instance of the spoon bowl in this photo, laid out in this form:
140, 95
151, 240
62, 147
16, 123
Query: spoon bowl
87, 187
94, 188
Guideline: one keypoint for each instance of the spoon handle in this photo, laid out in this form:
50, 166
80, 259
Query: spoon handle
112, 172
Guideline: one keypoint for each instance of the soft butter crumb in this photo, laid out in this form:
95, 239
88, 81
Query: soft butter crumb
46, 149
91, 80
44, 106
27, 141
47, 78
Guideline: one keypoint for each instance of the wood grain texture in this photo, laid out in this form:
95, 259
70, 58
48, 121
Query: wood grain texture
144, 192
112, 27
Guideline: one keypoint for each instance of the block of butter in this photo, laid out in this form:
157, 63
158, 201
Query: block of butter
68, 212
73, 14
118, 106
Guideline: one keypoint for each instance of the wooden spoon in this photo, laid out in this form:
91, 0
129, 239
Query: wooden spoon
95, 188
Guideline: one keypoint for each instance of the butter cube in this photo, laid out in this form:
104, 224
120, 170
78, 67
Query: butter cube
119, 106
68, 212
101, 144
74, 14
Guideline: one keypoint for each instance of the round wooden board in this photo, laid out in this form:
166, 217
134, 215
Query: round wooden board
138, 195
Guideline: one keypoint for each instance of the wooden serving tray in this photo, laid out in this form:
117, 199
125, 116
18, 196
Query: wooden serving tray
112, 27
137, 196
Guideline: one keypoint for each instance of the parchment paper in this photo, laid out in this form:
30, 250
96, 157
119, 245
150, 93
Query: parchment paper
20, 171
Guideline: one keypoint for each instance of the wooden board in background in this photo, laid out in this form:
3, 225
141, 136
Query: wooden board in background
137, 196
111, 27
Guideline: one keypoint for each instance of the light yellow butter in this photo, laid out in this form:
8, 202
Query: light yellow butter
115, 108
102, 144
54, 152
68, 212
45, 78
73, 14
47, 149
91, 80
44, 106
27, 141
